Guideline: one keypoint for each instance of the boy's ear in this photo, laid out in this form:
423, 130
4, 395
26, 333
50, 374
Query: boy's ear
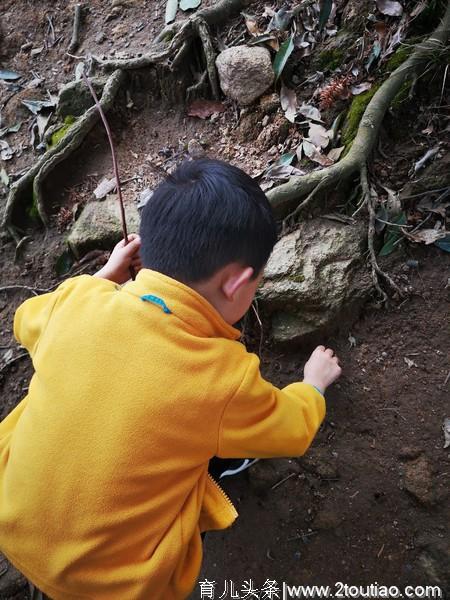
235, 280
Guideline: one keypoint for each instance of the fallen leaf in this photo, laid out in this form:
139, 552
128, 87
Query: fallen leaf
418, 8
393, 235
9, 75
171, 11
410, 362
374, 54
317, 134
360, 88
37, 105
4, 177
426, 236
393, 203
281, 20
189, 4
13, 129
314, 154
283, 172
335, 153
325, 12
428, 130
42, 122
444, 244
252, 24
6, 152
104, 187
390, 8
288, 99
265, 37
282, 56
205, 108
310, 112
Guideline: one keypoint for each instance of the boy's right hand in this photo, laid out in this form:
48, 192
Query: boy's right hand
322, 368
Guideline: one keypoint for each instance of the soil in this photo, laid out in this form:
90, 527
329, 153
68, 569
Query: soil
370, 501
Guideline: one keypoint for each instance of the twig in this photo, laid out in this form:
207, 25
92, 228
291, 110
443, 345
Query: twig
115, 167
74, 42
282, 481
12, 361
447, 378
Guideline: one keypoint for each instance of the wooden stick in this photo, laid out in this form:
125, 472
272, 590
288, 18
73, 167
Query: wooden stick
115, 167
76, 29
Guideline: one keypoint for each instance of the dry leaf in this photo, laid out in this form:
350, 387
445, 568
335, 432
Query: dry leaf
427, 236
104, 187
360, 88
252, 24
335, 153
205, 108
314, 154
318, 135
288, 99
390, 7
310, 112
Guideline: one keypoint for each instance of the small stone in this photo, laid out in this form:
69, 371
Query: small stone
272, 151
418, 480
265, 121
245, 73
100, 37
195, 149
27, 46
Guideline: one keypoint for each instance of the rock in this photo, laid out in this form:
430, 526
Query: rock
195, 149
275, 133
75, 98
320, 462
12, 582
315, 281
99, 226
418, 480
245, 73
434, 559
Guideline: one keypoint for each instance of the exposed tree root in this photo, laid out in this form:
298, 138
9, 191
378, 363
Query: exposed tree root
285, 198
56, 154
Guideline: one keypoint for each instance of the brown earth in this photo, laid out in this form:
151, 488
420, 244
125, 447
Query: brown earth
370, 501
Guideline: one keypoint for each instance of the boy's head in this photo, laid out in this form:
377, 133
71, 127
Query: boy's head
210, 226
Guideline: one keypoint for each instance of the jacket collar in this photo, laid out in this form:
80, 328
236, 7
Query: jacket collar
183, 302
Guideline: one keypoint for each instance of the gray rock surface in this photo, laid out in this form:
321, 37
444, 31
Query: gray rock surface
245, 72
75, 98
315, 280
99, 226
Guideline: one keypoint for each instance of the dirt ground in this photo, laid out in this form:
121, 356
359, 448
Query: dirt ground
370, 501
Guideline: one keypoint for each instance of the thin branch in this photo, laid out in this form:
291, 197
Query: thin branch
116, 169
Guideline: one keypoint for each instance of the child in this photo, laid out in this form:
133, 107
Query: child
104, 485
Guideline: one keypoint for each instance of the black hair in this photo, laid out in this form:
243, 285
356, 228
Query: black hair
204, 216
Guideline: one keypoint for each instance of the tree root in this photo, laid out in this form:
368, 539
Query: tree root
74, 42
56, 154
285, 198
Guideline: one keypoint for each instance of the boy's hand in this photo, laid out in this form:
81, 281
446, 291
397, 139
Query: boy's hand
123, 257
322, 368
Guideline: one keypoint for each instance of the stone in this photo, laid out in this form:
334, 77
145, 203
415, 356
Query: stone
75, 98
434, 558
99, 226
195, 149
418, 480
245, 73
316, 281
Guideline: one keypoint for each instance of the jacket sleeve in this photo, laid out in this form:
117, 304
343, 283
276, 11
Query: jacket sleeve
32, 317
262, 421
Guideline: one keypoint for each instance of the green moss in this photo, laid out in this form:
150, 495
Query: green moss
58, 135
355, 113
330, 59
297, 278
398, 58
32, 210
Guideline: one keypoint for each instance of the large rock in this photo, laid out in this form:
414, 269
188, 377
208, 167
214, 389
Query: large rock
99, 226
315, 280
75, 98
245, 73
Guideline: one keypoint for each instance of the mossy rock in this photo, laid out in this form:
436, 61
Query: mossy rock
75, 98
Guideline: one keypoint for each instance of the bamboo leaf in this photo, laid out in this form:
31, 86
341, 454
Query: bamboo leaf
282, 56
325, 12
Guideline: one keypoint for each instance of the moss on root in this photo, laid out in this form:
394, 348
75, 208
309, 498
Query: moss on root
330, 59
58, 135
355, 113
398, 58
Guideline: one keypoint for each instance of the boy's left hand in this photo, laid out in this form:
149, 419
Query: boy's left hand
122, 257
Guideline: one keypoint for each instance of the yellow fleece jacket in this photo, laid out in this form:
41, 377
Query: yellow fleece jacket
104, 487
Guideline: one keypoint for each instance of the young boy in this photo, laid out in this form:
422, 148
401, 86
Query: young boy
104, 485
